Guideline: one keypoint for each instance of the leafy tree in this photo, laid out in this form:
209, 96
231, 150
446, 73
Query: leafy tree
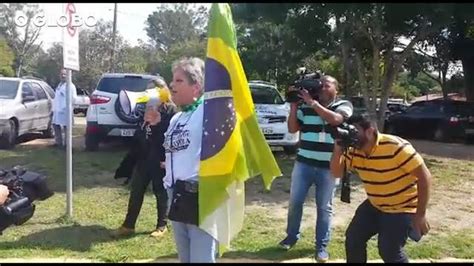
374, 31
50, 63
274, 39
190, 48
6, 59
462, 34
173, 24
22, 41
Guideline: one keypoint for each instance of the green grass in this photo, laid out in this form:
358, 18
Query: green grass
99, 205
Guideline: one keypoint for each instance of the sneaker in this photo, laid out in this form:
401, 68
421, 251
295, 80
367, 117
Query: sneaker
123, 231
322, 256
160, 231
286, 244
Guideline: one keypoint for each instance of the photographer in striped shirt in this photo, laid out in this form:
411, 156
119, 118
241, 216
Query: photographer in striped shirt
397, 183
314, 116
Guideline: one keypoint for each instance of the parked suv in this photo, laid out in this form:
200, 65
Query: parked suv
25, 106
102, 118
272, 113
437, 119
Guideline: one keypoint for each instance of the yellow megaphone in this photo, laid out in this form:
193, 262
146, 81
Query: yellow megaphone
154, 97
129, 103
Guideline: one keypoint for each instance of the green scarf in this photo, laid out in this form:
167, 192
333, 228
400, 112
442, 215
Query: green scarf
193, 106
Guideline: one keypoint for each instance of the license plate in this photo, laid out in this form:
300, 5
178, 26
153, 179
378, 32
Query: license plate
469, 131
267, 130
127, 132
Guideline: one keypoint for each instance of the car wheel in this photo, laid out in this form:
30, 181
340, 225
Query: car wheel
8, 138
290, 149
440, 134
49, 132
92, 142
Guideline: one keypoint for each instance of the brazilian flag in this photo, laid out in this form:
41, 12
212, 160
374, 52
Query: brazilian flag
233, 146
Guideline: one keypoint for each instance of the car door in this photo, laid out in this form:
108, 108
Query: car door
422, 119
27, 112
44, 107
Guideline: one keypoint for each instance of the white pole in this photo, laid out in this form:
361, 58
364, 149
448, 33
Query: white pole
69, 145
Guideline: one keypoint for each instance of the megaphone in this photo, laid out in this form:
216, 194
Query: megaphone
131, 106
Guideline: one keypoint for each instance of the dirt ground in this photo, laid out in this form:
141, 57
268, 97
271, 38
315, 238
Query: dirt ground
450, 208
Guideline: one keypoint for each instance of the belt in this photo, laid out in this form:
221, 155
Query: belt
188, 186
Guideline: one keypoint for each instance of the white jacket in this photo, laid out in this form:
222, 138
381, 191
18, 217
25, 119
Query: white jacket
59, 103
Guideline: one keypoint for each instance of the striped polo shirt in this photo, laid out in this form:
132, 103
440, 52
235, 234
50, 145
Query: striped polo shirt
316, 143
386, 173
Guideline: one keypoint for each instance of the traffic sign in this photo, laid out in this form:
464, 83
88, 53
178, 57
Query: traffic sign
70, 40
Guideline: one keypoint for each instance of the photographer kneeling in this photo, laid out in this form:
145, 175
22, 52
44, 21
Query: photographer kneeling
396, 181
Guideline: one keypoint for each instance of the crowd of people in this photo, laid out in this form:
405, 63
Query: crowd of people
394, 175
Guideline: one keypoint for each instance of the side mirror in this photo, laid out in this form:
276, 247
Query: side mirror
28, 98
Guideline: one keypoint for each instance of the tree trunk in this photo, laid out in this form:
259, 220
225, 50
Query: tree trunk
468, 69
444, 88
19, 67
347, 78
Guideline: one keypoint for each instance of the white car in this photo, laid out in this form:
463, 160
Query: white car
81, 102
272, 113
103, 115
25, 106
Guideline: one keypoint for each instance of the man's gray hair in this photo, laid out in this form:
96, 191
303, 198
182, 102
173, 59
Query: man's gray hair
193, 68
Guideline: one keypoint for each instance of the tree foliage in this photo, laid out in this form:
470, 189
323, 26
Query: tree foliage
21, 40
6, 59
171, 25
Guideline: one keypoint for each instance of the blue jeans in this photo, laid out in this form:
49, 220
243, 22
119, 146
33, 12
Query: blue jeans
302, 178
193, 243
392, 230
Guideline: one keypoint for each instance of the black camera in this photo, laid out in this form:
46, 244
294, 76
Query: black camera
25, 187
346, 134
308, 81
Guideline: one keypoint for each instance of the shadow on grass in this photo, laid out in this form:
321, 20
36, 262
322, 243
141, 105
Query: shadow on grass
280, 188
270, 253
74, 237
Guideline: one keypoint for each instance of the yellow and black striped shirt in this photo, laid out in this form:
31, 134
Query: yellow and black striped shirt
386, 173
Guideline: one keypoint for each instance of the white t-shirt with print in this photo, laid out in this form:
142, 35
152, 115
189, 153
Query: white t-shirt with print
183, 141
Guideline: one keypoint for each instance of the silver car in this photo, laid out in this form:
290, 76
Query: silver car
25, 106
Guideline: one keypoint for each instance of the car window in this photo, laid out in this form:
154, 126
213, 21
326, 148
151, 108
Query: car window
39, 92
415, 108
26, 90
81, 92
265, 95
433, 108
48, 89
8, 89
461, 108
116, 84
